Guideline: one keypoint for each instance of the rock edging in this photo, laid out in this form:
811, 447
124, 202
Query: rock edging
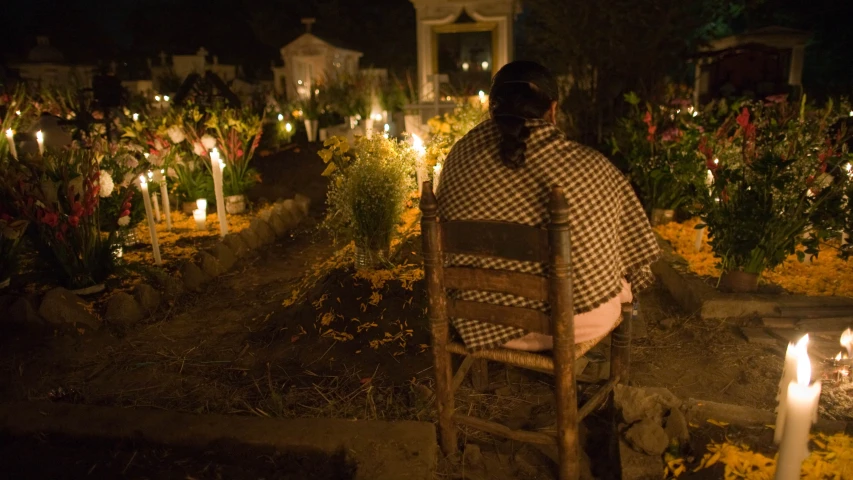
60, 307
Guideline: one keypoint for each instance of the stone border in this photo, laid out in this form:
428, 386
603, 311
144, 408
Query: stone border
404, 450
696, 296
60, 307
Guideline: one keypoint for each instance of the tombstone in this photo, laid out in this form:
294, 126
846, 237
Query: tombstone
468, 40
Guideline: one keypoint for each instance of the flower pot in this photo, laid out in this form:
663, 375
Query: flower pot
311, 128
661, 216
89, 290
188, 207
235, 204
367, 258
738, 281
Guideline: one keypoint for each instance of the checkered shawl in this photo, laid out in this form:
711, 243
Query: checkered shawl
610, 234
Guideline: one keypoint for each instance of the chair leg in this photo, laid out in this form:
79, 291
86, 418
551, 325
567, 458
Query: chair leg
480, 374
620, 346
444, 399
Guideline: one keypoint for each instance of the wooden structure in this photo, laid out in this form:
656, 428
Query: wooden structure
763, 62
520, 243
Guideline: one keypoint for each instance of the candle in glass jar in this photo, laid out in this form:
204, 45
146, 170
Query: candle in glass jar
10, 136
143, 186
800, 413
200, 217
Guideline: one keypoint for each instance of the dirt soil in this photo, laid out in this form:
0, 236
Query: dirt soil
236, 348
97, 458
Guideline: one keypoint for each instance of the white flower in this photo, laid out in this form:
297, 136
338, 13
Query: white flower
208, 142
171, 173
199, 150
124, 221
128, 177
158, 145
176, 134
155, 159
106, 183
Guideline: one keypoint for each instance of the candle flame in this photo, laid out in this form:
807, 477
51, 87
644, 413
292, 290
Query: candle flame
10, 133
838, 357
150, 175
804, 364
40, 136
142, 180
847, 341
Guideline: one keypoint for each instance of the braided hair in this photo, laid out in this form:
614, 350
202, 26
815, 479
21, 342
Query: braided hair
520, 91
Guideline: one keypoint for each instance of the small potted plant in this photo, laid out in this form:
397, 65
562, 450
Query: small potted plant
371, 184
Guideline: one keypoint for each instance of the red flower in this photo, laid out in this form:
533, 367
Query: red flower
647, 118
60, 236
50, 219
705, 149
73, 220
76, 209
124, 213
743, 118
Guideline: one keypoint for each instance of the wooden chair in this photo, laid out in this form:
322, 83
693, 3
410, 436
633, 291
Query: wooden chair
550, 246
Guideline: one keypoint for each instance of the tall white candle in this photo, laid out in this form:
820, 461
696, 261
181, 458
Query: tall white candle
789, 373
152, 227
201, 204
436, 175
10, 136
700, 236
164, 197
217, 165
801, 408
156, 206
40, 140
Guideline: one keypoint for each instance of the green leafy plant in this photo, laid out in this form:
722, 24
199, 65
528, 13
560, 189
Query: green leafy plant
371, 183
658, 142
776, 170
237, 133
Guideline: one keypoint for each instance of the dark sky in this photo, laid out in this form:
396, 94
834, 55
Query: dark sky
248, 31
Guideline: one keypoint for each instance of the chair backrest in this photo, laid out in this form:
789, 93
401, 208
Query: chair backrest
508, 241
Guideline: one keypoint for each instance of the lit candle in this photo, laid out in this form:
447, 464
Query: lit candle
40, 140
217, 164
789, 372
280, 117
436, 175
288, 127
10, 136
200, 216
143, 186
801, 413
482, 96
135, 117
164, 196
847, 342
420, 169
201, 204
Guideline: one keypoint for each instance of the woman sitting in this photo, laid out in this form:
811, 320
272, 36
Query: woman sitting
504, 169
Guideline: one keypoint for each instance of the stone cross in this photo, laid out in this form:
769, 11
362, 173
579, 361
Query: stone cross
308, 22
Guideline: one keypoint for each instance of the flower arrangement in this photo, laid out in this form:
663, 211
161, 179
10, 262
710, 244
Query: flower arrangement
447, 129
659, 144
348, 95
237, 133
775, 172
59, 194
371, 182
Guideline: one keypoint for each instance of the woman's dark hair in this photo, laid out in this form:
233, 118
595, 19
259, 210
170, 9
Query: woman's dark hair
520, 91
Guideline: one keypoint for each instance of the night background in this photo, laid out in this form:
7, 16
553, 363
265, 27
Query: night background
214, 263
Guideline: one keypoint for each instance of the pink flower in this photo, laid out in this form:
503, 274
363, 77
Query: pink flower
743, 118
671, 134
